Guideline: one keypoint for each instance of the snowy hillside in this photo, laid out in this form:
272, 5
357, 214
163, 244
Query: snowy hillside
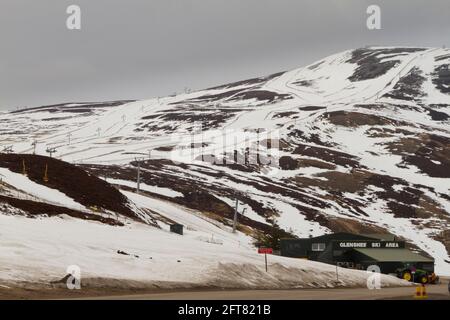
358, 141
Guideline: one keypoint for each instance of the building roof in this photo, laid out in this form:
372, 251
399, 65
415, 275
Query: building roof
393, 255
381, 236
341, 236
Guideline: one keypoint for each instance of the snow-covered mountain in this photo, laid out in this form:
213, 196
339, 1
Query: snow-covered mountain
358, 141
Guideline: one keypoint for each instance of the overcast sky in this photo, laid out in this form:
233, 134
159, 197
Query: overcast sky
136, 49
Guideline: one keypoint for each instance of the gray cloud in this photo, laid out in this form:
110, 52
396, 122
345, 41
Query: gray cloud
143, 48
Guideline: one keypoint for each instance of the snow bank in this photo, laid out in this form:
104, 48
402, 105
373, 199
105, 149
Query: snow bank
35, 250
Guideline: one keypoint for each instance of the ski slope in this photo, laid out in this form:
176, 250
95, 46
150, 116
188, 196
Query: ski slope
349, 124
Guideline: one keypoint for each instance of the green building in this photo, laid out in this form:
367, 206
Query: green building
357, 251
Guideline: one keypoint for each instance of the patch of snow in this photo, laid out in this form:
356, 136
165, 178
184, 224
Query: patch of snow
145, 187
39, 191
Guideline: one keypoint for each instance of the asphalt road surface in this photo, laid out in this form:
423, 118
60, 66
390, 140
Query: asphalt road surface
435, 292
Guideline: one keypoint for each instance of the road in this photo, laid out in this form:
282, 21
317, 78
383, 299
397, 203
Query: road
435, 292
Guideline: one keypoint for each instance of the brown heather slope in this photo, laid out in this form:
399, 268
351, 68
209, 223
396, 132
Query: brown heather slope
71, 180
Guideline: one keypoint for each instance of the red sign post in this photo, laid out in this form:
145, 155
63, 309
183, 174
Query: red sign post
266, 251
